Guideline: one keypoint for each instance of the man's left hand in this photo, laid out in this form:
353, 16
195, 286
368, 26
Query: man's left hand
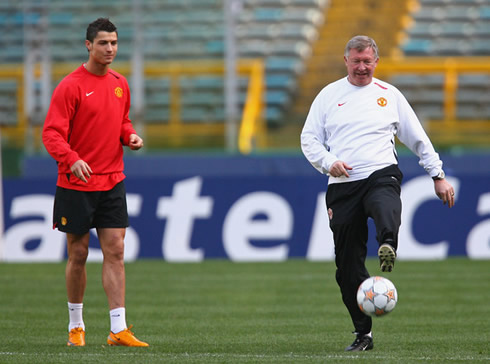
135, 142
444, 191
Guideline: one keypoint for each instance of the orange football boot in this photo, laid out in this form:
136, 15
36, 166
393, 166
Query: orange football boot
124, 338
76, 337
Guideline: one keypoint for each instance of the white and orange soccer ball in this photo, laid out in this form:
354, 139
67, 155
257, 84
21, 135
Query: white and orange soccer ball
377, 296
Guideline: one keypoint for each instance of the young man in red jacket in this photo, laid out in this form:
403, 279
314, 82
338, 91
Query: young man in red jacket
85, 129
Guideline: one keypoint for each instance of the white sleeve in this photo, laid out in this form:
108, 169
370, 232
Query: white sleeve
412, 134
313, 137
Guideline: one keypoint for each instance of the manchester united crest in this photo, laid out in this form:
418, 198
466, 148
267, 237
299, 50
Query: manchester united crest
382, 102
119, 92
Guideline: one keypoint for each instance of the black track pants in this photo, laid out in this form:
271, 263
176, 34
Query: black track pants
349, 207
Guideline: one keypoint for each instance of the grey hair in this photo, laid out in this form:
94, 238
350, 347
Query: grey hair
360, 43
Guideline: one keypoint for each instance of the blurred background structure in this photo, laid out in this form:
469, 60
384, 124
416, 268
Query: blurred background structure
238, 76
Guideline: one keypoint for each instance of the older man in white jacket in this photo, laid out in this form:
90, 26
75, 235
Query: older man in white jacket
349, 135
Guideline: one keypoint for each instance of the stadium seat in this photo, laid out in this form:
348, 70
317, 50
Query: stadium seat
485, 13
8, 109
441, 23
280, 81
417, 46
278, 31
61, 18
449, 28
474, 81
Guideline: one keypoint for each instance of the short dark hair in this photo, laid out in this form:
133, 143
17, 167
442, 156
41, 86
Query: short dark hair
101, 24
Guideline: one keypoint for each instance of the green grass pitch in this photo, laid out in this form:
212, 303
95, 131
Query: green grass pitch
224, 312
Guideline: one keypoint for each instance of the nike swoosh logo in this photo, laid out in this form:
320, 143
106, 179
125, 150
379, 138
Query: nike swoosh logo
341, 104
89, 93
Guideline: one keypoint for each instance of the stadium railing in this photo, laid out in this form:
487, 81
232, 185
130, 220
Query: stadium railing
449, 130
252, 131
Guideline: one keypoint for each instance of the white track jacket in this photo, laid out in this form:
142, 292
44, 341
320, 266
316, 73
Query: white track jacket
358, 125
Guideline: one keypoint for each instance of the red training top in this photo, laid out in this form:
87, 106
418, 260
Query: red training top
88, 119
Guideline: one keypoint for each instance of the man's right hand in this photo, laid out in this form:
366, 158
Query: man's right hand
81, 170
339, 169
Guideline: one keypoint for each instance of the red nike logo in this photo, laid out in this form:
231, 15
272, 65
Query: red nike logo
341, 104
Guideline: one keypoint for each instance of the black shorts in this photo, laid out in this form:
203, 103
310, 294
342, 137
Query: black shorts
77, 212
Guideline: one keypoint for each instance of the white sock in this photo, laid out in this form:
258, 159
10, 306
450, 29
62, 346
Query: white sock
118, 319
75, 311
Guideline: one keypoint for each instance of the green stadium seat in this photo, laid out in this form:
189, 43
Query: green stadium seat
485, 13
449, 27
284, 64
278, 31
417, 47
280, 81
8, 109
474, 81
446, 33
61, 18
469, 111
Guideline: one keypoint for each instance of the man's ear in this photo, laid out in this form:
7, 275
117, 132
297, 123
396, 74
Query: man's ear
88, 44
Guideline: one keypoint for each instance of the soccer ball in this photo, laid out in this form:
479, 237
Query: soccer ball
377, 296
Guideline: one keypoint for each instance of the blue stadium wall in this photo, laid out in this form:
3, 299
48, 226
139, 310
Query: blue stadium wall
267, 208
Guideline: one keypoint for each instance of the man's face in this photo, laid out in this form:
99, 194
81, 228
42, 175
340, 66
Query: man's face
360, 66
103, 49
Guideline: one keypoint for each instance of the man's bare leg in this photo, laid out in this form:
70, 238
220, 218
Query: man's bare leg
75, 272
113, 275
76, 281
